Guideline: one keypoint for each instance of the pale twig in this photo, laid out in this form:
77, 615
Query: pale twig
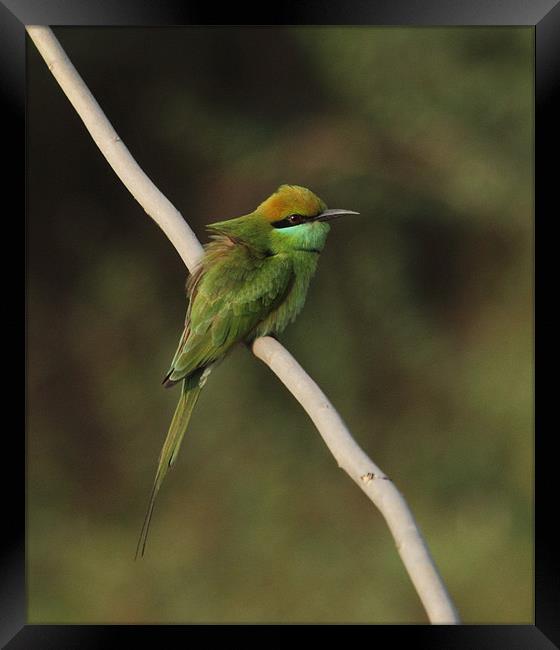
349, 456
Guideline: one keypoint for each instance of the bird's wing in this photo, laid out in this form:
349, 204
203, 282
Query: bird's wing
229, 296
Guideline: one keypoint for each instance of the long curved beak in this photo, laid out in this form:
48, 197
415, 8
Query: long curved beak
327, 215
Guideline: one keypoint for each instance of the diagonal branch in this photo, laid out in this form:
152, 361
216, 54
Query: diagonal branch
349, 456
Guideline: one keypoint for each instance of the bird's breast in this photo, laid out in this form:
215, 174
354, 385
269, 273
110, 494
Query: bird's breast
304, 264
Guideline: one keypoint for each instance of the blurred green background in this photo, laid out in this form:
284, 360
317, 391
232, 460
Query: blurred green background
418, 326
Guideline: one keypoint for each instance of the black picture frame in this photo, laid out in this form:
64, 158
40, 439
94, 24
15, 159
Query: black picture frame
543, 15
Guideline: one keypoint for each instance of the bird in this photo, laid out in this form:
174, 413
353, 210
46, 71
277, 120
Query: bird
251, 281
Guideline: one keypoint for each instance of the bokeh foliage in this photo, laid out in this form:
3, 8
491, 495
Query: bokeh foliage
418, 325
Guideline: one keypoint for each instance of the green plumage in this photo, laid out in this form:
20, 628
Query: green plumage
251, 281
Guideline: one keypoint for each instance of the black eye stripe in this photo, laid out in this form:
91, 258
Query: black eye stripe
290, 220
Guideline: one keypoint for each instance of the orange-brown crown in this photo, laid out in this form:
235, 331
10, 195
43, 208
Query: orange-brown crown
290, 199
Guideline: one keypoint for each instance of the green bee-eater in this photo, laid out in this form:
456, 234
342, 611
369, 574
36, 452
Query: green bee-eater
251, 281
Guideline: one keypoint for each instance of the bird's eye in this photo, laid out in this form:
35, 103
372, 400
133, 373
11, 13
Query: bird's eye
290, 220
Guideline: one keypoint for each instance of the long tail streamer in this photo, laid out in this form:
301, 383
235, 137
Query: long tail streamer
190, 392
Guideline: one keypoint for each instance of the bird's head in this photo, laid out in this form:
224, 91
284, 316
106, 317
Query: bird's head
293, 218
297, 218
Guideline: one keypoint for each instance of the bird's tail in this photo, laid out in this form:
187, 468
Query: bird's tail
190, 392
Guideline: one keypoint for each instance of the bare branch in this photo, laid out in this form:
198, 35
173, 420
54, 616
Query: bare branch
158, 207
349, 456
365, 473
